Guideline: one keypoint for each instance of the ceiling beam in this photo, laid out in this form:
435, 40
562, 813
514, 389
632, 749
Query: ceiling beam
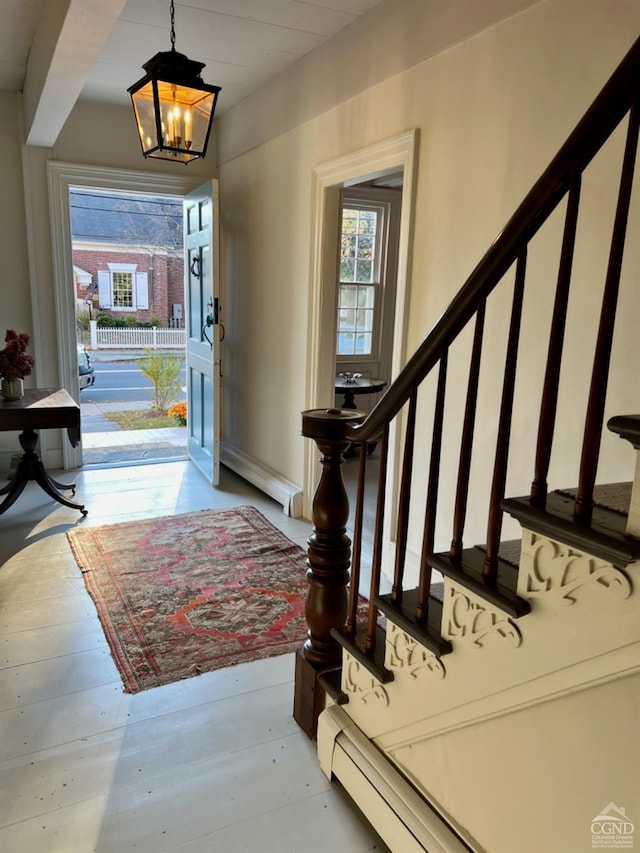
66, 45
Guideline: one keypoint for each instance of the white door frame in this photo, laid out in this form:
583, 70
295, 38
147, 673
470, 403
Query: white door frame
383, 158
61, 177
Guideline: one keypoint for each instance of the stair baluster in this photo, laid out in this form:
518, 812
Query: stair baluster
432, 493
466, 443
551, 383
405, 492
356, 551
376, 563
494, 527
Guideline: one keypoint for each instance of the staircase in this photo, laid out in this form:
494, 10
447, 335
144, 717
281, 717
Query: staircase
492, 705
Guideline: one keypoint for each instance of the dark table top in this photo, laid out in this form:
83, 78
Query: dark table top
42, 408
363, 385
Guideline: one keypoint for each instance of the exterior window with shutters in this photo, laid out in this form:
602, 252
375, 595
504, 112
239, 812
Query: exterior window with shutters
122, 288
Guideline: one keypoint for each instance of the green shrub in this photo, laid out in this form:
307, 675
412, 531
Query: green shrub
164, 372
106, 321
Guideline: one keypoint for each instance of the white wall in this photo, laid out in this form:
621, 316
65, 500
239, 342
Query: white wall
15, 302
491, 111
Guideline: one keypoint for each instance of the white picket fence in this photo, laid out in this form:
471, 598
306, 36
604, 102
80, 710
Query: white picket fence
136, 338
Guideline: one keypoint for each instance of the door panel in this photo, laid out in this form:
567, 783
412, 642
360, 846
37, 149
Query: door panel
201, 239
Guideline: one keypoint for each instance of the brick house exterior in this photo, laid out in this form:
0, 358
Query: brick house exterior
156, 270
127, 256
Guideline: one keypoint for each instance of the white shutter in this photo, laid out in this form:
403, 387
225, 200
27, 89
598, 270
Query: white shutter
142, 290
104, 289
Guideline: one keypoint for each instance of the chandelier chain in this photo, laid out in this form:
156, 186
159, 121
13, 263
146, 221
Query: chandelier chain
173, 25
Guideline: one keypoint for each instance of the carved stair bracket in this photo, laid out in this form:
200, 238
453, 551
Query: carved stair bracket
555, 570
468, 619
359, 684
406, 655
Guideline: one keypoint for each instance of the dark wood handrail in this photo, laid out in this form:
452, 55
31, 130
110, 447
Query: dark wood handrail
589, 135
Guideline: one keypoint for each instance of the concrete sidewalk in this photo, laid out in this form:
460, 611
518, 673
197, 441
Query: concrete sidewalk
105, 442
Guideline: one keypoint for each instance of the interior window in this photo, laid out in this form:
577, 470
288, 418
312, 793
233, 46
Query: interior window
359, 297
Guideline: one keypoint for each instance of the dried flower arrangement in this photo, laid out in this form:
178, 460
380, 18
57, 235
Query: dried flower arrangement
14, 361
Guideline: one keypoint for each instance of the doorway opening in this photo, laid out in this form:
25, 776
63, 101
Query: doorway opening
367, 278
393, 159
128, 286
366, 289
125, 287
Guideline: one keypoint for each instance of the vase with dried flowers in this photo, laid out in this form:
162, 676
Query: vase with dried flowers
15, 364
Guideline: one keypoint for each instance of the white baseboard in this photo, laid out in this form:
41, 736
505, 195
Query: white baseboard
266, 479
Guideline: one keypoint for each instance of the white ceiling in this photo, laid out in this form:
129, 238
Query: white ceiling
57, 51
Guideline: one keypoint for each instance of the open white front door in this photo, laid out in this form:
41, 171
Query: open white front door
201, 254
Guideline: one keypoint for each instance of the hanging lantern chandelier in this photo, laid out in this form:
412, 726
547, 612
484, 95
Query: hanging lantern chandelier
173, 107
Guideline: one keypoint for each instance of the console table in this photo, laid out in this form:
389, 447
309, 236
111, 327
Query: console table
40, 408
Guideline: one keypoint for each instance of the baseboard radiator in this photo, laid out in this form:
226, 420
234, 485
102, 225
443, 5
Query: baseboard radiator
391, 805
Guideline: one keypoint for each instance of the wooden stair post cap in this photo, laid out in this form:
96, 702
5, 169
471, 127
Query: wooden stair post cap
329, 423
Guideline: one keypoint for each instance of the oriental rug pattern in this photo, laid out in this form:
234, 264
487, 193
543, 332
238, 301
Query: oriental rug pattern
186, 594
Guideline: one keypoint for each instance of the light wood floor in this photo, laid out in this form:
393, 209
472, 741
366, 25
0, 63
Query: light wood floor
212, 763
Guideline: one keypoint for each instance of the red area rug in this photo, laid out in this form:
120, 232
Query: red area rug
186, 594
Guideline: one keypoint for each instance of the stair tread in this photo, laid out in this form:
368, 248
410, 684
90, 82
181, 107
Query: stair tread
467, 571
331, 681
604, 537
509, 551
426, 631
613, 496
355, 645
